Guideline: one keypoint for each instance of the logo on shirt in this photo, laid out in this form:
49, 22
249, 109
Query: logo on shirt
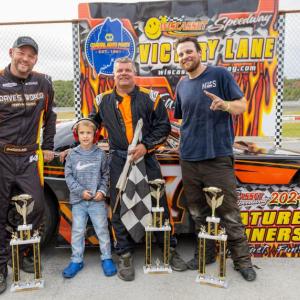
9, 84
32, 83
153, 95
99, 99
81, 166
33, 158
209, 84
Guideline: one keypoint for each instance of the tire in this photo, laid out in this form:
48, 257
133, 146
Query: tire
50, 219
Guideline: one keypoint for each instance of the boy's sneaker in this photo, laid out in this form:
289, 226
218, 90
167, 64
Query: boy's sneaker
125, 267
109, 267
72, 269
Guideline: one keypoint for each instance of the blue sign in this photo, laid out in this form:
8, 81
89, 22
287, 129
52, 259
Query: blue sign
107, 42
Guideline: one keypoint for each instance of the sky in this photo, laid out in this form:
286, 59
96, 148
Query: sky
24, 10
59, 50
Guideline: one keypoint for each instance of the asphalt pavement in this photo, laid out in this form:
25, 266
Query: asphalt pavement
278, 279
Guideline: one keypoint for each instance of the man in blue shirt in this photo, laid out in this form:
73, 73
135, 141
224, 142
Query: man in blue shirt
205, 100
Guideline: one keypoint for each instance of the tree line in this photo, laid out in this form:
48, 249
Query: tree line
64, 93
291, 91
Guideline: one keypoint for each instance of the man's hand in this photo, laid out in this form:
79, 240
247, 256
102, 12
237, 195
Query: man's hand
217, 102
137, 152
99, 196
48, 155
87, 195
63, 154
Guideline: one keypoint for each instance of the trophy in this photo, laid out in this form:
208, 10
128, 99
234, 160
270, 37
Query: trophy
214, 232
156, 226
23, 237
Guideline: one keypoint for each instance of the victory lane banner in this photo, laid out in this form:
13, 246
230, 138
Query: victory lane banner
240, 35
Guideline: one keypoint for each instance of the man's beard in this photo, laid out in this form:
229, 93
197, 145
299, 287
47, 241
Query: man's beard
192, 67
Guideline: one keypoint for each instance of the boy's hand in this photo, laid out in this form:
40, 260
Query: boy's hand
63, 154
99, 196
87, 195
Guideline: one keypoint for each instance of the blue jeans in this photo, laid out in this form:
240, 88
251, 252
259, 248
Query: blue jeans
98, 215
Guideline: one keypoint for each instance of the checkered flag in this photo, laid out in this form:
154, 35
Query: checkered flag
136, 201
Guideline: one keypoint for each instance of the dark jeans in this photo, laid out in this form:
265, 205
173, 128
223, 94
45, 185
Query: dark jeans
218, 172
21, 173
123, 239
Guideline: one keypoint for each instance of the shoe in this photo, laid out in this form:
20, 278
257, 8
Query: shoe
125, 267
176, 262
72, 269
193, 264
26, 264
109, 267
2, 283
248, 273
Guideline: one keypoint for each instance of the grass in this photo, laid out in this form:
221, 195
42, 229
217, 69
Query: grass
291, 129
291, 112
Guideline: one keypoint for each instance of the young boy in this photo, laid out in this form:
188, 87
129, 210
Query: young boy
86, 174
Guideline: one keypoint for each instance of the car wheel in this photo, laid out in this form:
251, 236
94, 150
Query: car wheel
50, 219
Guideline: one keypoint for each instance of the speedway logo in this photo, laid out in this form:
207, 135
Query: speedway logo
107, 42
173, 26
223, 23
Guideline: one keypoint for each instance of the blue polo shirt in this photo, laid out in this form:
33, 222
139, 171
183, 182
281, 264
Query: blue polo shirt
205, 134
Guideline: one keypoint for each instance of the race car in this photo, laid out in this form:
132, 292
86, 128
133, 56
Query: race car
268, 195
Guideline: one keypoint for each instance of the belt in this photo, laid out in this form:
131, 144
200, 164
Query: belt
15, 149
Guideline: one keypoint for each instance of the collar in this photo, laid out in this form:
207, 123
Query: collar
132, 94
14, 78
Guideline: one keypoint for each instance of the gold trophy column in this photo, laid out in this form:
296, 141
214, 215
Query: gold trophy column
214, 199
157, 226
23, 237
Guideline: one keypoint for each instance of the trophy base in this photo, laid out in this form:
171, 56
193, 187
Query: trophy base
157, 269
27, 285
209, 279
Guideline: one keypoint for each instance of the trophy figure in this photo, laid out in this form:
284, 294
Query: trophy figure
157, 225
214, 199
23, 237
